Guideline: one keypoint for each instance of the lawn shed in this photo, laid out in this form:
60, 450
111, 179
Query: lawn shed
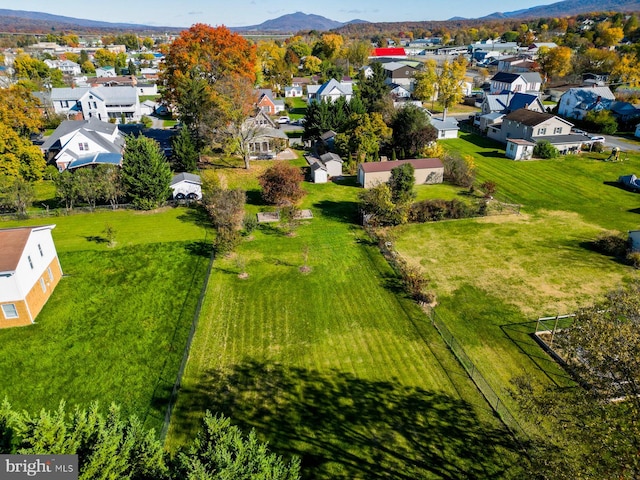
427, 170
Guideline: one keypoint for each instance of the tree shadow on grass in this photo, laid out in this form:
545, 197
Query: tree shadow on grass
96, 239
196, 215
494, 154
344, 427
254, 197
199, 248
346, 212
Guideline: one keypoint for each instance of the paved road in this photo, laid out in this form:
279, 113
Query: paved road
623, 143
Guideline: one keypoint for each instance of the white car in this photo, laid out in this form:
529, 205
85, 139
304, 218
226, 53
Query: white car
597, 139
284, 119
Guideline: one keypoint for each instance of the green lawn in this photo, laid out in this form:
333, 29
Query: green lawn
115, 328
494, 276
335, 365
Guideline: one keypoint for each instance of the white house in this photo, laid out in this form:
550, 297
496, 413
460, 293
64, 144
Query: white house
447, 128
577, 102
186, 186
293, 92
103, 103
77, 143
105, 72
67, 67
29, 272
147, 89
331, 90
515, 82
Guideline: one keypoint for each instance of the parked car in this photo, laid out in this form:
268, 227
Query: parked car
597, 139
284, 119
578, 131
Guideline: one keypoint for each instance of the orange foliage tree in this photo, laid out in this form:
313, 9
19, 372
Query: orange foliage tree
209, 54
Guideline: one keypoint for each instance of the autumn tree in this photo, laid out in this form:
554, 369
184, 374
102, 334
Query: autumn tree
145, 172
281, 184
19, 158
377, 206
426, 85
450, 79
328, 47
357, 53
627, 70
104, 58
312, 64
555, 62
607, 35
206, 53
228, 122
363, 137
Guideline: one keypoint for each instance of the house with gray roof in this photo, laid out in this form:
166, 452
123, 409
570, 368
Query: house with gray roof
78, 143
186, 186
331, 90
515, 82
577, 102
533, 126
104, 103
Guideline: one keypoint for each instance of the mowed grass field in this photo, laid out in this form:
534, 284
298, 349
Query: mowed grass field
334, 365
495, 276
115, 328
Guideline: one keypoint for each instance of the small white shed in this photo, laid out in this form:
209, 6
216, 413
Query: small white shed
186, 186
333, 164
519, 149
319, 173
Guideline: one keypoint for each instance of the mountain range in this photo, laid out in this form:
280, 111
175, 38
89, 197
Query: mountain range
38, 22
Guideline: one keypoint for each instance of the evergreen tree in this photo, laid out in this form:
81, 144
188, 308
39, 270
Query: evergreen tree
185, 153
145, 172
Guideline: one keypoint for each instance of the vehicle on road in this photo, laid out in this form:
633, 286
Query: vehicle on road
284, 119
597, 139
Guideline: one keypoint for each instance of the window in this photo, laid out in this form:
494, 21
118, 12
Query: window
40, 250
557, 130
86, 146
542, 131
42, 285
80, 146
9, 310
30, 262
50, 274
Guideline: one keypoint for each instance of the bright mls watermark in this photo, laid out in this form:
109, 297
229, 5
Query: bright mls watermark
45, 467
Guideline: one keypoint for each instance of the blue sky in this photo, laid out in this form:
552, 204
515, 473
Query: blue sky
235, 13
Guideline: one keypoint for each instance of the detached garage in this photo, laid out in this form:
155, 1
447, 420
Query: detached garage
427, 171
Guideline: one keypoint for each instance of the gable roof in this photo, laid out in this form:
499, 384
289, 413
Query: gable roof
327, 87
12, 243
418, 164
530, 117
505, 77
586, 96
327, 157
69, 126
186, 177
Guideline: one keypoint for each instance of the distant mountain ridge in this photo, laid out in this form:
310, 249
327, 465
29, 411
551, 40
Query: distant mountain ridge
13, 17
294, 22
569, 8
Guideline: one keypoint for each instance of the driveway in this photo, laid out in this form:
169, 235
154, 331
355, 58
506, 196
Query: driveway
623, 143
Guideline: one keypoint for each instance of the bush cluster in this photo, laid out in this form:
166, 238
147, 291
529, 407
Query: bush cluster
611, 243
434, 210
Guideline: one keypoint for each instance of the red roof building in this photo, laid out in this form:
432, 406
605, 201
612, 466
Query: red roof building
389, 52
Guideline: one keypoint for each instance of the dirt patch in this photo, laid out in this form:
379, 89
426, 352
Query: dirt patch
305, 269
243, 276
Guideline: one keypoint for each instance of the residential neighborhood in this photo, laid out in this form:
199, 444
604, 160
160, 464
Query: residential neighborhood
366, 250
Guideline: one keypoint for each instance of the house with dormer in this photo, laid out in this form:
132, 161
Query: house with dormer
29, 272
78, 143
118, 104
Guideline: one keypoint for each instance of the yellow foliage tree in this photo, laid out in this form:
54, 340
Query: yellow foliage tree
555, 62
627, 71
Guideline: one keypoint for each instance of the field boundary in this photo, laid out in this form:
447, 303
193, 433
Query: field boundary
477, 378
187, 348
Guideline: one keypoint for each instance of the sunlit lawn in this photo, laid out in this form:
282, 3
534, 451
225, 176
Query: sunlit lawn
335, 364
115, 328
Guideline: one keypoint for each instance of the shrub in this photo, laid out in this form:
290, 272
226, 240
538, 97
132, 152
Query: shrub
459, 171
597, 147
435, 210
602, 122
544, 149
633, 258
489, 188
249, 223
611, 243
